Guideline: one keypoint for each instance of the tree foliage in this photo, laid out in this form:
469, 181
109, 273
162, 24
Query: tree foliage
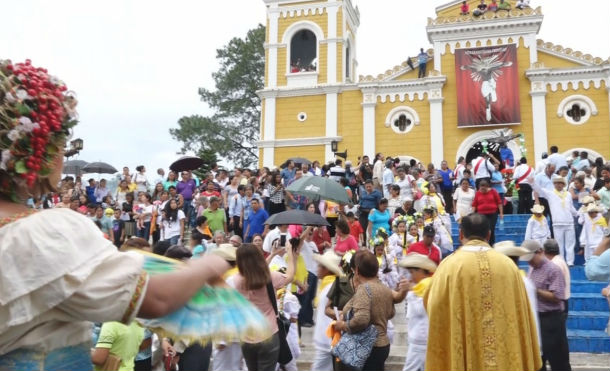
231, 132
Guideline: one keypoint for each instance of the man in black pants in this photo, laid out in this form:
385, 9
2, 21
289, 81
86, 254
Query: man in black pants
521, 176
550, 291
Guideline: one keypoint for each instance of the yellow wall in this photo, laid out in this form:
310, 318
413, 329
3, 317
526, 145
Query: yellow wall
415, 143
311, 153
340, 77
453, 136
320, 19
552, 61
593, 134
288, 126
340, 23
349, 123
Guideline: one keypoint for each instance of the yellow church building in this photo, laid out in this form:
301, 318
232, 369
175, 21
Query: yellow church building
486, 75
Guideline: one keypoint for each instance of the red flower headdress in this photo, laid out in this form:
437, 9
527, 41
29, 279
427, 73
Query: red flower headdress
36, 115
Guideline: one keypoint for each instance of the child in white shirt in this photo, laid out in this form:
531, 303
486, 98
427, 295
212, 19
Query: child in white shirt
537, 226
593, 228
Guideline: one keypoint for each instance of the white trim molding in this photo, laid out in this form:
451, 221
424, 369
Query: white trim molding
592, 154
292, 30
570, 54
479, 136
369, 101
583, 101
407, 89
297, 142
569, 78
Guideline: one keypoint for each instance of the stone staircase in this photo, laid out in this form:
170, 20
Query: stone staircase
588, 315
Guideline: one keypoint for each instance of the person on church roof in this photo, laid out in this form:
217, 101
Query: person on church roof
464, 9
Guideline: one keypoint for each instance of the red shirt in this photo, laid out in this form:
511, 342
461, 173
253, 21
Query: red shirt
343, 246
319, 239
355, 229
210, 194
486, 203
433, 252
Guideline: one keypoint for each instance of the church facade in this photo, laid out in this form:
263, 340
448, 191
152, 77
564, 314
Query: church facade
486, 76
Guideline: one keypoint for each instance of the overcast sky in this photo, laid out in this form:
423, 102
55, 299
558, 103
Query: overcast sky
136, 65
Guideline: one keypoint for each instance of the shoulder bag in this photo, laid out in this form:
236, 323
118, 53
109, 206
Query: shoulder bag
354, 349
283, 324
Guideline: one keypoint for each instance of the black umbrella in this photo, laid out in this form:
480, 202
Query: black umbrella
186, 163
296, 217
317, 187
74, 166
99, 168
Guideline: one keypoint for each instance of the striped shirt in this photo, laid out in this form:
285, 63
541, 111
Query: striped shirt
548, 277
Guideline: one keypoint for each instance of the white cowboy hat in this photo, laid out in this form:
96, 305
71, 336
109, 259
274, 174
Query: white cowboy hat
331, 261
509, 248
558, 179
587, 200
415, 260
537, 209
593, 208
532, 246
226, 251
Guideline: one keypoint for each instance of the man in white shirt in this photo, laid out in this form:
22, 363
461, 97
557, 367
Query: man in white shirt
337, 172
275, 234
556, 158
388, 178
160, 176
458, 172
520, 175
541, 165
482, 167
378, 171
562, 213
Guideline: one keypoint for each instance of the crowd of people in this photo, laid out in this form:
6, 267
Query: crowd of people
493, 6
400, 214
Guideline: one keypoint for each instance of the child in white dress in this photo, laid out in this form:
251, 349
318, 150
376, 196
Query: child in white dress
594, 226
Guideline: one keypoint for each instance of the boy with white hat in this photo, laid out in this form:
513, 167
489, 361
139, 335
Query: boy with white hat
537, 225
421, 269
562, 215
594, 226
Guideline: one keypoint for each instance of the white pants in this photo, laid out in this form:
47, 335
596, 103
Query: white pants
323, 360
227, 359
416, 358
566, 238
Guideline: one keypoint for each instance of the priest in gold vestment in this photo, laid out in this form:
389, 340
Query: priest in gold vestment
480, 316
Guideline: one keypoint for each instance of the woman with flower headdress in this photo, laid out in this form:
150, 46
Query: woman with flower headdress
47, 304
443, 236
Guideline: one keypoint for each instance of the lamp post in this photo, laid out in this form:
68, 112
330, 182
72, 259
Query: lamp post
75, 147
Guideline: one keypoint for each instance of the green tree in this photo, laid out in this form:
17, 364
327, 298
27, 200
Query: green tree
232, 130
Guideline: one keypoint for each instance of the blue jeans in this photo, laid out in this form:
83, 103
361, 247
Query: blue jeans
173, 240
188, 209
144, 232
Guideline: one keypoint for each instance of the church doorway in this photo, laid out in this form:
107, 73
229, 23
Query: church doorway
477, 149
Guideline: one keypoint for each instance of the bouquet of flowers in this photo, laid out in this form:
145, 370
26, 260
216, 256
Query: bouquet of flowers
36, 115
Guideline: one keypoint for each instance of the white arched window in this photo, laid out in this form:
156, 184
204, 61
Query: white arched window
302, 40
402, 119
576, 109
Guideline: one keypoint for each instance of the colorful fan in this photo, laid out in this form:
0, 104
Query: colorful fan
214, 313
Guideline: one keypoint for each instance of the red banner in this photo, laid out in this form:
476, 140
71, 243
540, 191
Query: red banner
487, 86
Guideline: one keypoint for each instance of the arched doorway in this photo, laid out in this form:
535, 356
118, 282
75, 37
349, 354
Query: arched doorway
471, 147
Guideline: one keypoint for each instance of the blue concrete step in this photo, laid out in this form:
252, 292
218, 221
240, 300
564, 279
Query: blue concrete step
583, 320
588, 341
587, 286
588, 301
577, 273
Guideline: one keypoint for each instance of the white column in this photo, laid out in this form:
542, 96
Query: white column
269, 132
438, 50
436, 127
331, 62
331, 123
539, 122
530, 42
273, 45
368, 124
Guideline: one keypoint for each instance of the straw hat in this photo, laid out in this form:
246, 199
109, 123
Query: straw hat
558, 179
509, 248
415, 260
587, 200
537, 209
593, 208
331, 261
225, 251
532, 246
